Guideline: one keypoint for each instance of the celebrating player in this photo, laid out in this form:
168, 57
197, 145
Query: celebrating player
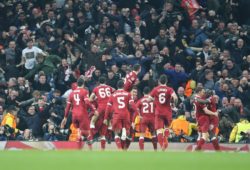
146, 111
213, 120
120, 102
101, 95
131, 78
162, 95
78, 100
202, 116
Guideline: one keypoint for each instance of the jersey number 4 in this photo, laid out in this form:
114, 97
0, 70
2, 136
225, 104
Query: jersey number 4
77, 99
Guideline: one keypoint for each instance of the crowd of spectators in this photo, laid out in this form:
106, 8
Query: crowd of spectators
46, 45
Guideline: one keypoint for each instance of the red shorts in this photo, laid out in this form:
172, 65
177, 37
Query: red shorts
147, 123
99, 126
214, 120
203, 123
101, 110
162, 121
82, 122
119, 123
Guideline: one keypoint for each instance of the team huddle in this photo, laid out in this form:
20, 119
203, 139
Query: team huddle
115, 110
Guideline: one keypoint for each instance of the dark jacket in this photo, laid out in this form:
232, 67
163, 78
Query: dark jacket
48, 66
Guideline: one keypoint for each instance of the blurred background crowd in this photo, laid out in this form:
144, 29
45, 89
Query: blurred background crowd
45, 45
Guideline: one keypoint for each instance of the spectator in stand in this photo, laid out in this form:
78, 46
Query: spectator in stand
46, 64
112, 79
42, 84
29, 55
239, 51
230, 115
244, 91
177, 76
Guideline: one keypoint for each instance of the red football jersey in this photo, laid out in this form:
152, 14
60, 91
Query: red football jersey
120, 101
78, 100
162, 99
145, 107
103, 92
212, 105
198, 107
130, 81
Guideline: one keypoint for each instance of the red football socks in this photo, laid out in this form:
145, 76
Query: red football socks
160, 139
103, 144
141, 144
216, 145
200, 143
154, 142
118, 143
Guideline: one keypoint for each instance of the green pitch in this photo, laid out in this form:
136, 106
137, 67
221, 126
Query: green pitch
84, 160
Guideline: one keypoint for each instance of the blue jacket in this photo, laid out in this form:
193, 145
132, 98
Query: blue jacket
176, 78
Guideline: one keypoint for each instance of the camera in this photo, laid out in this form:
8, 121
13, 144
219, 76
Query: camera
52, 132
65, 131
181, 137
6, 130
50, 127
245, 137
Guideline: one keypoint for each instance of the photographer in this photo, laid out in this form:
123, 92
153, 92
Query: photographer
182, 129
229, 116
3, 137
26, 136
9, 123
57, 108
236, 134
52, 132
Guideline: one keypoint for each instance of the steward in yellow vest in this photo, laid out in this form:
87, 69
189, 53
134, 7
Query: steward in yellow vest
9, 119
242, 126
181, 126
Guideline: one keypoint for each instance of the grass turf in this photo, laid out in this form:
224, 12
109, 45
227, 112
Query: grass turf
71, 160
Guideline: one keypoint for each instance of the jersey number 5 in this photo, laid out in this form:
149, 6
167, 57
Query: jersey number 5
121, 103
